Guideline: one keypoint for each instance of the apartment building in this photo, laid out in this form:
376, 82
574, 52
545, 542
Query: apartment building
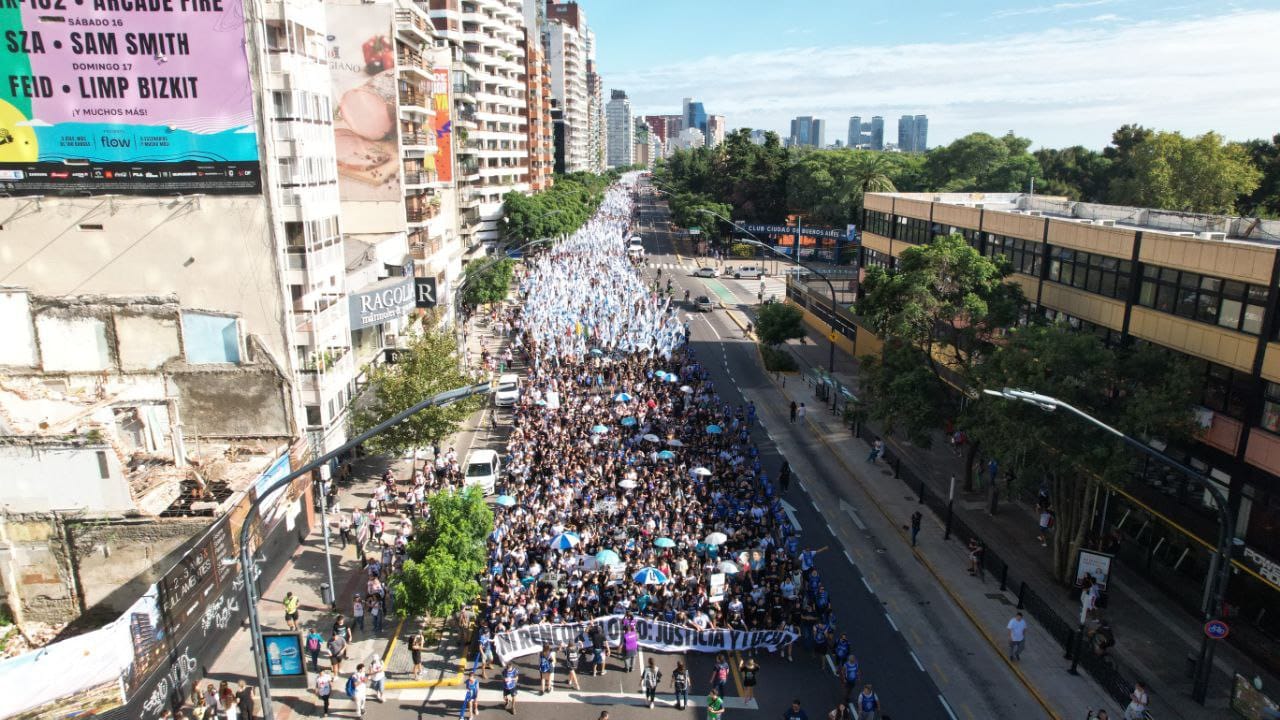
491, 125
597, 132
538, 95
1204, 288
715, 130
565, 40
621, 130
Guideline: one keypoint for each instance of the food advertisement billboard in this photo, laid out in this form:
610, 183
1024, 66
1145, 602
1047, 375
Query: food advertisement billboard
126, 97
362, 65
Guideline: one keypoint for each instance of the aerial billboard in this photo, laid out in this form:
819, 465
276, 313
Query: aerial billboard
126, 97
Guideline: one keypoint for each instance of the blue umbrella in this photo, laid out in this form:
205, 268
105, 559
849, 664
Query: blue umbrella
661, 374
565, 541
597, 352
650, 576
628, 421
608, 557
664, 542
599, 429
666, 455
505, 500
713, 429
673, 378
622, 397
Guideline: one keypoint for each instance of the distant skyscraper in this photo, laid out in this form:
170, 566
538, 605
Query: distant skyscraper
907, 133
695, 116
818, 133
715, 130
757, 137
855, 132
922, 133
877, 132
619, 130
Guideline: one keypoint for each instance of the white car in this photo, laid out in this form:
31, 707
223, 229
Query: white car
748, 271
482, 468
707, 271
508, 390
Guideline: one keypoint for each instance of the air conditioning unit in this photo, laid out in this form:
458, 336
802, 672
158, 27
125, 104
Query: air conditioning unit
1035, 213
1185, 234
1105, 223
1213, 236
979, 206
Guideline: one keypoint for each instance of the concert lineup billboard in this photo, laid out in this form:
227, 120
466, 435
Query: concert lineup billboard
362, 64
125, 97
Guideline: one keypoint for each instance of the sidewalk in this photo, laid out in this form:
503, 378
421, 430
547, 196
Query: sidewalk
1154, 635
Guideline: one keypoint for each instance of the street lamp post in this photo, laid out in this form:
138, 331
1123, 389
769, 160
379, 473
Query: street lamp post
247, 564
1219, 568
831, 355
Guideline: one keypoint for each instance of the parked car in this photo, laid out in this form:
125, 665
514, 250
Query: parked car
749, 271
703, 304
508, 390
482, 469
707, 271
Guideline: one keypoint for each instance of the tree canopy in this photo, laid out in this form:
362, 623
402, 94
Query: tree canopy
559, 210
777, 323
443, 564
1199, 174
487, 281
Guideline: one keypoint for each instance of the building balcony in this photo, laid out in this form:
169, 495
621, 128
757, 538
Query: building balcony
415, 101
421, 215
413, 25
419, 179
418, 140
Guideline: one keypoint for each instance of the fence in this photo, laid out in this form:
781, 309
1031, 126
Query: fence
1107, 670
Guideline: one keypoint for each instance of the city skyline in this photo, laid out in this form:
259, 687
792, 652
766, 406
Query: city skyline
1078, 76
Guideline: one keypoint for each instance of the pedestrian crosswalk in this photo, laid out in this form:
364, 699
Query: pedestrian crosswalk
669, 266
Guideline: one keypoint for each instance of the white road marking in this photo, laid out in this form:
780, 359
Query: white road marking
831, 530
491, 698
864, 582
853, 515
849, 557
790, 510
892, 624
946, 707
920, 665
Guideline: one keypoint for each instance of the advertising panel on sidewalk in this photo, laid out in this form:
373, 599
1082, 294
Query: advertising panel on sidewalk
284, 654
1097, 564
101, 98
362, 66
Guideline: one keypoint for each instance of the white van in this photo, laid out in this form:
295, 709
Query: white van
748, 271
482, 468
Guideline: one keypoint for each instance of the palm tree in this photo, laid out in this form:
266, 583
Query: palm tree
870, 172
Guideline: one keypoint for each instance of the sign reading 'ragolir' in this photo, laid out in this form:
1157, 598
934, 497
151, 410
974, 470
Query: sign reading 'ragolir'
381, 302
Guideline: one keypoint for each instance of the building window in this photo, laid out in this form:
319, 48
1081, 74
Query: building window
1023, 255
1225, 303
1110, 338
1095, 273
1271, 407
313, 414
875, 258
914, 231
878, 223
1221, 388
972, 237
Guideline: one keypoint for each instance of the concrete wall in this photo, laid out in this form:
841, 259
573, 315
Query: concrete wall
215, 253
38, 479
247, 401
36, 569
19, 347
116, 561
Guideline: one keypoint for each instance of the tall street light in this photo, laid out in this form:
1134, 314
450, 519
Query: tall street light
1219, 569
831, 322
246, 552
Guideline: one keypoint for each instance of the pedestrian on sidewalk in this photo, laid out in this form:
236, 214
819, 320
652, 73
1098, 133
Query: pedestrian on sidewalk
849, 671
545, 663
377, 677
358, 688
1046, 525
794, 410
471, 698
868, 703
916, 518
1137, 708
649, 679
199, 711
291, 611
212, 700
375, 614
344, 529
720, 674
784, 477
340, 627
877, 449
572, 656
357, 612
315, 643
416, 645
510, 683
715, 706
244, 699
750, 670
337, 652
1017, 636
629, 645
795, 712
680, 683
840, 712
975, 556
801, 412
324, 689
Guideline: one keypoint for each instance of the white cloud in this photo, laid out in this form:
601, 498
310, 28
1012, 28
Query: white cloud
1058, 87
1045, 9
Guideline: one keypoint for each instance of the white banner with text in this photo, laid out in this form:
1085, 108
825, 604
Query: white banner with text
654, 635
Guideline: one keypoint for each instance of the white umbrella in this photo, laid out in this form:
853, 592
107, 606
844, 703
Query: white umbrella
728, 568
627, 484
701, 471
715, 538
686, 389
652, 438
675, 443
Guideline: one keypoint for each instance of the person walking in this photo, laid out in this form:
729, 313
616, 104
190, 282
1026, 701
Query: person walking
357, 612
291, 611
680, 683
244, 700
1017, 636
572, 656
715, 706
417, 644
916, 518
877, 449
359, 686
784, 477
840, 712
649, 679
795, 712
510, 684
801, 412
337, 652
377, 677
719, 674
1046, 525
795, 409
849, 675
544, 669
471, 697
314, 644
324, 689
750, 670
868, 704
1138, 699
630, 647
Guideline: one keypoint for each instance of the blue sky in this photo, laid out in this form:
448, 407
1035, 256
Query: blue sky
1061, 73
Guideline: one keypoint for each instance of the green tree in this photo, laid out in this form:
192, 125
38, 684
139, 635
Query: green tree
427, 365
945, 304
777, 323
1075, 172
827, 186
1140, 391
979, 162
900, 391
487, 282
443, 563
1166, 170
1264, 201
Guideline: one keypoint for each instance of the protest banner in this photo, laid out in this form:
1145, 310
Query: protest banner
654, 635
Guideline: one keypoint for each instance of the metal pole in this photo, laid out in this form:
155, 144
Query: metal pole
324, 522
1220, 571
246, 553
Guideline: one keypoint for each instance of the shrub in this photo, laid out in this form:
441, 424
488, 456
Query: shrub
777, 360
